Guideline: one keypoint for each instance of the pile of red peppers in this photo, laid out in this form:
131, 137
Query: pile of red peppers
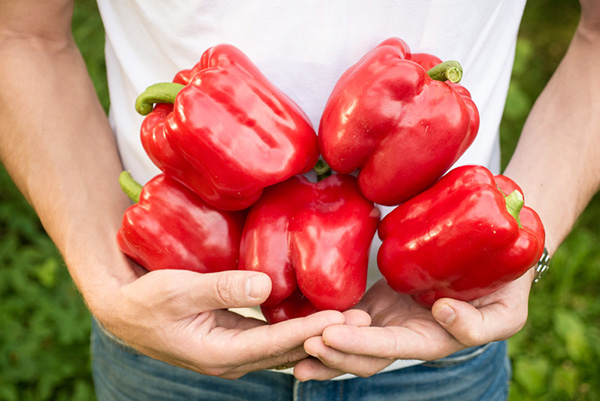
233, 193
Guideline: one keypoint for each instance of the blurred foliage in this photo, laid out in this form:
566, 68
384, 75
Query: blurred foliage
45, 327
88, 32
545, 33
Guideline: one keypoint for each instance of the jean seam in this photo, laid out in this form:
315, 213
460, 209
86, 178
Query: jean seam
296, 390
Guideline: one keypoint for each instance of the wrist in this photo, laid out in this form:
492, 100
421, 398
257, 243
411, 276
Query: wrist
99, 271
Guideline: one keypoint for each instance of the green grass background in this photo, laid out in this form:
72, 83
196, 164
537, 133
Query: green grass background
45, 328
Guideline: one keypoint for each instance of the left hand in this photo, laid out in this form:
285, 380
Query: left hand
402, 329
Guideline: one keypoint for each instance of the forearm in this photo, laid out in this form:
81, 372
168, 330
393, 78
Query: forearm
556, 159
58, 147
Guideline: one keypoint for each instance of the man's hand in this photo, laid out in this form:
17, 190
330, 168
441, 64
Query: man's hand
402, 329
180, 317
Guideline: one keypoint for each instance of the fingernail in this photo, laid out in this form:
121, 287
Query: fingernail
445, 314
254, 286
312, 353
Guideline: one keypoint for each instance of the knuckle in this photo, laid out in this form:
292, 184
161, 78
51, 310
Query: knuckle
224, 289
215, 371
282, 354
232, 376
365, 374
230, 373
471, 337
293, 358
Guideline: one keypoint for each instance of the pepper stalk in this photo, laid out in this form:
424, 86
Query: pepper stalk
163, 92
514, 204
322, 169
450, 70
131, 187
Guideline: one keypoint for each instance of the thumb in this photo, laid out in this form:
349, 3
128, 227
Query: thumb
230, 289
473, 326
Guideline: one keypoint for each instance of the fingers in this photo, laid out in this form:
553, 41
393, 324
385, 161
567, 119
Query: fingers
427, 342
494, 317
231, 289
265, 346
269, 345
280, 362
315, 369
332, 363
473, 326
415, 333
181, 317
181, 293
357, 317
459, 325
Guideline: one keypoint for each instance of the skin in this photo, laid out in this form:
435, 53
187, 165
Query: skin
57, 146
556, 164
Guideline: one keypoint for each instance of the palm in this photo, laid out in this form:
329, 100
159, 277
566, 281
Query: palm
402, 329
397, 316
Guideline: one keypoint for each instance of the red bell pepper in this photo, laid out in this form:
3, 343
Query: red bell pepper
225, 131
172, 228
398, 119
314, 237
296, 305
464, 237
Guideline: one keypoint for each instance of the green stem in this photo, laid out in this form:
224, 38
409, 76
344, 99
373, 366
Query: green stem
322, 169
447, 71
514, 204
164, 92
130, 186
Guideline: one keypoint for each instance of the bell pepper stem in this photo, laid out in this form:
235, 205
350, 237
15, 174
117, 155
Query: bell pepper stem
164, 92
322, 169
450, 70
130, 186
514, 204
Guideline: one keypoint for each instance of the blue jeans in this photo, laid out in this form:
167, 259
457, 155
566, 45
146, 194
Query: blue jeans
121, 373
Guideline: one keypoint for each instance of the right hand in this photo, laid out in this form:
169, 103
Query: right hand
403, 329
180, 317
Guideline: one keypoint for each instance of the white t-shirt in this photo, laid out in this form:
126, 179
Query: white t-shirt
303, 46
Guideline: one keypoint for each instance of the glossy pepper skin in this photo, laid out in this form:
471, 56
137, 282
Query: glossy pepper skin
296, 305
458, 239
387, 117
172, 228
225, 131
311, 237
